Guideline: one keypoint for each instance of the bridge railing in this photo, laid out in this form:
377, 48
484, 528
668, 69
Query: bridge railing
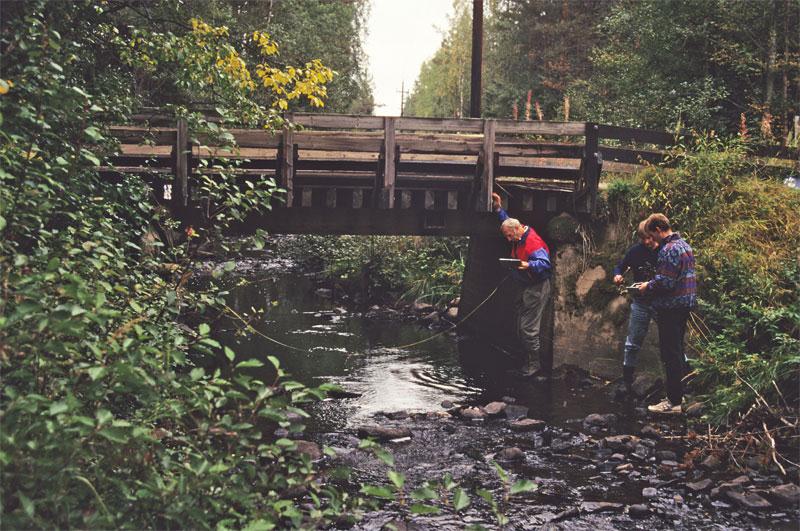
354, 162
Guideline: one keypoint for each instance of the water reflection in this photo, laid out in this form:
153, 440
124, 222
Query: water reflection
359, 354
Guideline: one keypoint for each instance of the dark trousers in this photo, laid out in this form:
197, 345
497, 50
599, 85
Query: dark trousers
532, 302
671, 332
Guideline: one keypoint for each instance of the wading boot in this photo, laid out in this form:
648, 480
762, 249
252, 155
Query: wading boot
627, 377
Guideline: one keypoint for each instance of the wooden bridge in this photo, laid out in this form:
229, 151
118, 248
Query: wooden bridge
351, 174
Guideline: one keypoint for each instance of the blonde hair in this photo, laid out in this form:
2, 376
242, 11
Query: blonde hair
510, 224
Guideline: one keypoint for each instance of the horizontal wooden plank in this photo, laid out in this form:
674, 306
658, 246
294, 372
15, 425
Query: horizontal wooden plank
372, 221
127, 134
338, 121
549, 186
631, 134
520, 149
134, 169
564, 174
431, 144
535, 127
337, 141
436, 168
541, 162
336, 165
470, 125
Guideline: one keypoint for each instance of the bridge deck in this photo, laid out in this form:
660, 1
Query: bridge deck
368, 174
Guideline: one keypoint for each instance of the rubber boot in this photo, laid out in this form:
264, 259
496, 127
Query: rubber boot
529, 368
627, 377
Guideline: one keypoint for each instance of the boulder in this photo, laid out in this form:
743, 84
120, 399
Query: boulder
646, 384
787, 494
621, 442
311, 449
638, 510
527, 425
510, 454
712, 462
383, 433
602, 421
494, 408
748, 500
649, 492
587, 280
699, 486
650, 432
666, 455
473, 413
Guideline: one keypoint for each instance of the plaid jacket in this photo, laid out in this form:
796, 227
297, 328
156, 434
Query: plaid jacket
675, 283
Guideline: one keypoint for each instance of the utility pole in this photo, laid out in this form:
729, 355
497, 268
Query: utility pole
477, 59
402, 96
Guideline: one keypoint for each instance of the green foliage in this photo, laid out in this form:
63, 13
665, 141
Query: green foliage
415, 267
119, 408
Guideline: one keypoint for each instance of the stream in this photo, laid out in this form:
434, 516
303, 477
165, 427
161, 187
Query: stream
590, 475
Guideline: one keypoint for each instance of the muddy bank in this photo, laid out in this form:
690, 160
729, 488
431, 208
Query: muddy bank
601, 471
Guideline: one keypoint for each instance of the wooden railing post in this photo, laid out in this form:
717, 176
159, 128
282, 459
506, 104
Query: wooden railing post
486, 186
388, 174
592, 165
287, 160
180, 163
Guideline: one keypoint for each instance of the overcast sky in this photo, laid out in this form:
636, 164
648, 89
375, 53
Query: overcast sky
401, 35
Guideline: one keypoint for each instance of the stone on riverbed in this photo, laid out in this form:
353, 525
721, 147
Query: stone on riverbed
494, 408
651, 432
638, 510
712, 462
473, 413
527, 425
452, 313
602, 421
423, 307
621, 442
649, 492
325, 293
383, 433
748, 500
699, 486
447, 404
511, 454
788, 494
646, 385
666, 455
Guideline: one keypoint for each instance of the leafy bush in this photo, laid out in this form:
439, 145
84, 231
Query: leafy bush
118, 407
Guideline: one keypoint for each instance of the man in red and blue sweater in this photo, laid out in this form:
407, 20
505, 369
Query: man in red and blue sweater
533, 278
674, 294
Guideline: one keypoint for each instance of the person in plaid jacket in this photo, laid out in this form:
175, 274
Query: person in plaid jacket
674, 294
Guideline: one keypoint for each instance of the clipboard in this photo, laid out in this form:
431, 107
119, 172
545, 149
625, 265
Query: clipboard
509, 263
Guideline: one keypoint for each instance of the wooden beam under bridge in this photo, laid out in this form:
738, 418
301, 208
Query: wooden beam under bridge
375, 221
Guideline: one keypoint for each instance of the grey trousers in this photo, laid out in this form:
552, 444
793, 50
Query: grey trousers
532, 302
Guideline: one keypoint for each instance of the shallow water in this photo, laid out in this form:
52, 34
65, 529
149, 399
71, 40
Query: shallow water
364, 355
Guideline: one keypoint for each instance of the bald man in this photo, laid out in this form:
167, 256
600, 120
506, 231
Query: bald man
532, 278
